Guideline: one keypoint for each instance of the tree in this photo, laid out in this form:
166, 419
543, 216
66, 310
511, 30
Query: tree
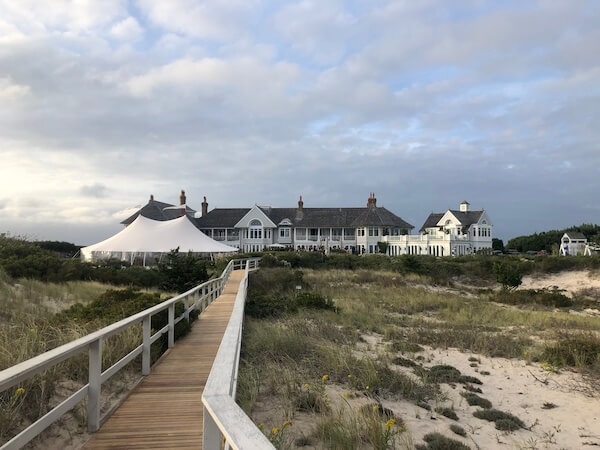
382, 246
497, 244
509, 275
180, 272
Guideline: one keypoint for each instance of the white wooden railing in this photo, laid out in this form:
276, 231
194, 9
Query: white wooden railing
224, 420
197, 298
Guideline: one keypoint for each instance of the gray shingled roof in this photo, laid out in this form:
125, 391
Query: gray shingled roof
467, 218
431, 221
221, 218
575, 235
155, 210
309, 217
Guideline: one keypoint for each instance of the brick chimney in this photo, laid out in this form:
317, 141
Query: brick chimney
182, 200
151, 198
300, 209
372, 201
204, 207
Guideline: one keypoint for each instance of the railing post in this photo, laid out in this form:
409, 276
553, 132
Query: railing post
196, 297
211, 436
146, 345
171, 332
95, 385
186, 305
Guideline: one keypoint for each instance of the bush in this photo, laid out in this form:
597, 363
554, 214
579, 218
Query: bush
312, 300
475, 400
503, 421
457, 429
180, 273
576, 350
545, 297
508, 275
437, 441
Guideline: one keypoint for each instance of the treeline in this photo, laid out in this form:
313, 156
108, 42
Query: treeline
23, 259
549, 240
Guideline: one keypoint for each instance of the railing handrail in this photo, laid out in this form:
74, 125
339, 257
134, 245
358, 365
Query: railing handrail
12, 376
223, 417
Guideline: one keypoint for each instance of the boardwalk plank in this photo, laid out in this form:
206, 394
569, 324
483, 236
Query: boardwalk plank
165, 409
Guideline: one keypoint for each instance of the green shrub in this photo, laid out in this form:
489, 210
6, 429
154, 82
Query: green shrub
457, 429
475, 400
580, 350
508, 275
180, 273
312, 300
447, 412
503, 420
437, 441
545, 297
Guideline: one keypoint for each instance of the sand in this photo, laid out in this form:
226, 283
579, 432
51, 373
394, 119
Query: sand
513, 386
570, 282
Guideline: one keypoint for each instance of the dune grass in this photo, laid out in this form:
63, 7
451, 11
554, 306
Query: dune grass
37, 316
285, 352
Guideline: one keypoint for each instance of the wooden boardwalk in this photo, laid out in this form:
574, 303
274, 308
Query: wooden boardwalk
165, 409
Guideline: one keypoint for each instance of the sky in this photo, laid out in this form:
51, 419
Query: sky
426, 103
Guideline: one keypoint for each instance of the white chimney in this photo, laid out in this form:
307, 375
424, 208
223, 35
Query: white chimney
464, 206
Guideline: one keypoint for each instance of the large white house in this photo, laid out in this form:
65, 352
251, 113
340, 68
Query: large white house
357, 230
451, 233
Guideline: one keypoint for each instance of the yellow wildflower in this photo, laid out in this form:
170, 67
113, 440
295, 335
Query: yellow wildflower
390, 423
261, 426
346, 395
306, 386
287, 423
367, 388
274, 431
375, 407
325, 378
20, 391
350, 375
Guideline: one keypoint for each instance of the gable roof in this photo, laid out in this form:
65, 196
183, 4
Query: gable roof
308, 217
467, 218
575, 235
431, 221
155, 210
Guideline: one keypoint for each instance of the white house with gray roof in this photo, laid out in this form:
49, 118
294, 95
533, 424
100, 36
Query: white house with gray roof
573, 243
451, 233
358, 230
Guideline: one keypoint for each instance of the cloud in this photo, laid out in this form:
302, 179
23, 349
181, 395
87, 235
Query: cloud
259, 102
96, 190
127, 30
216, 20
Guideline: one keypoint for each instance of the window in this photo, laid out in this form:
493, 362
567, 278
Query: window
284, 232
256, 231
373, 231
360, 231
349, 233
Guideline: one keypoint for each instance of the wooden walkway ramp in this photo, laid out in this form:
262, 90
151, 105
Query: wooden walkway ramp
165, 409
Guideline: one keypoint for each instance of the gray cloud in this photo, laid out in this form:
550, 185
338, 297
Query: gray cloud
490, 102
97, 190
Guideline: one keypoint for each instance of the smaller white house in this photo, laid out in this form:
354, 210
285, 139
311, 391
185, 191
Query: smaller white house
573, 243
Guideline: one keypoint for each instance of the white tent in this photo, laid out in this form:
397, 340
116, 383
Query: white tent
151, 238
